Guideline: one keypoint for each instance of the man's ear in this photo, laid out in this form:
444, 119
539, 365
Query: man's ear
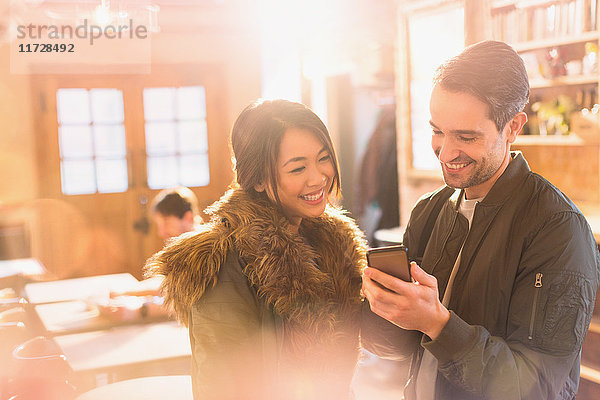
515, 126
188, 217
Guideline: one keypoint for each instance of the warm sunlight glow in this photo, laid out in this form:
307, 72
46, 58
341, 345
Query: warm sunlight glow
433, 38
102, 15
300, 38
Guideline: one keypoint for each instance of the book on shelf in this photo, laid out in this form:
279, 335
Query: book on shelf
527, 21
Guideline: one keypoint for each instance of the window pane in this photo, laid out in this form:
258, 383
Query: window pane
194, 170
111, 175
434, 37
78, 177
107, 106
159, 104
192, 137
109, 140
191, 102
73, 106
162, 172
75, 141
160, 138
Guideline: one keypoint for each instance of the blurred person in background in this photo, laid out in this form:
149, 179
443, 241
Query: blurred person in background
377, 191
175, 211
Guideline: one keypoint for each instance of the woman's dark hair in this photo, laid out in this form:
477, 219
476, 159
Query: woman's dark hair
494, 73
256, 136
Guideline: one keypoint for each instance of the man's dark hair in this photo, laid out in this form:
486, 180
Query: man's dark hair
176, 202
494, 73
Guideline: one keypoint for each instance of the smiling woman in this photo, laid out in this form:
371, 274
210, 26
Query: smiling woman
270, 287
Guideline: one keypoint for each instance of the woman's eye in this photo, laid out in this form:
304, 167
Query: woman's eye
325, 158
296, 170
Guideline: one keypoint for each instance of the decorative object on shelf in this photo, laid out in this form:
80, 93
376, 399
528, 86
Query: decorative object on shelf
554, 115
590, 60
586, 124
532, 64
573, 67
555, 63
586, 98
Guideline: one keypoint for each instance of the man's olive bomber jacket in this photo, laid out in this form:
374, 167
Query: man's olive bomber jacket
522, 299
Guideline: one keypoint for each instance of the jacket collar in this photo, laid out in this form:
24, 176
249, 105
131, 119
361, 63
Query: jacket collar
511, 179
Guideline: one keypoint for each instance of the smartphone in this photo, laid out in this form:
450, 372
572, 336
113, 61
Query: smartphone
393, 260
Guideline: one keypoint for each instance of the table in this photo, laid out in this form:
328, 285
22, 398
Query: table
156, 387
21, 266
77, 316
15, 273
79, 288
69, 316
127, 351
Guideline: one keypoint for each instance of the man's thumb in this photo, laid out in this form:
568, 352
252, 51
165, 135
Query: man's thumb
421, 276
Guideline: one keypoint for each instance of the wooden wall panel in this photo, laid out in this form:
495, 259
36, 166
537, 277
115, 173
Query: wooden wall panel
573, 169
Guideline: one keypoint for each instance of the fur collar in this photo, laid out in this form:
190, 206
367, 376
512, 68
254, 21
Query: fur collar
311, 280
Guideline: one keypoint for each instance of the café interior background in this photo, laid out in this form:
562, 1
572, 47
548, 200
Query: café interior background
88, 139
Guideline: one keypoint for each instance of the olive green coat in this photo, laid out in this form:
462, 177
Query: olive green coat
271, 314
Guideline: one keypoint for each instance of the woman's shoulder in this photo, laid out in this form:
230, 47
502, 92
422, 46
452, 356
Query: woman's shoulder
189, 264
335, 231
188, 247
337, 221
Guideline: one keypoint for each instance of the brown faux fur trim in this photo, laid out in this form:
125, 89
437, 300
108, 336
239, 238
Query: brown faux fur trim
313, 286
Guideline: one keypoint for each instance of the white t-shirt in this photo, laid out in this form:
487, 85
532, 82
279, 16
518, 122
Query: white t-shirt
425, 385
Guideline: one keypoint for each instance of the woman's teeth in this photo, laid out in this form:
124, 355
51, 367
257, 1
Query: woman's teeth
313, 197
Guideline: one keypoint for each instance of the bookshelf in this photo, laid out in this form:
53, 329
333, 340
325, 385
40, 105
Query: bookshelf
531, 21
558, 41
540, 83
552, 42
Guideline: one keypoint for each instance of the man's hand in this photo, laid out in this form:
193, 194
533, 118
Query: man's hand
410, 305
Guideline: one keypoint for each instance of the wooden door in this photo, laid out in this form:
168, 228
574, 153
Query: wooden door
96, 230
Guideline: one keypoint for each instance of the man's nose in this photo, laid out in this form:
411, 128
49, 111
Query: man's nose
446, 150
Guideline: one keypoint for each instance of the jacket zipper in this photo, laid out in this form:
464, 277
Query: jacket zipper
537, 286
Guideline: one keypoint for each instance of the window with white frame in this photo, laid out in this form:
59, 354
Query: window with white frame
91, 136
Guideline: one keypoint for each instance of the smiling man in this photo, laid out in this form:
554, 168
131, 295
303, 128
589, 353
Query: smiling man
503, 294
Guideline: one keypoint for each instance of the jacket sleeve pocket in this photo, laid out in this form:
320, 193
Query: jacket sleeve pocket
562, 307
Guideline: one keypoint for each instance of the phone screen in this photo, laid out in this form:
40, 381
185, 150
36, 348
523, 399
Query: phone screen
392, 260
